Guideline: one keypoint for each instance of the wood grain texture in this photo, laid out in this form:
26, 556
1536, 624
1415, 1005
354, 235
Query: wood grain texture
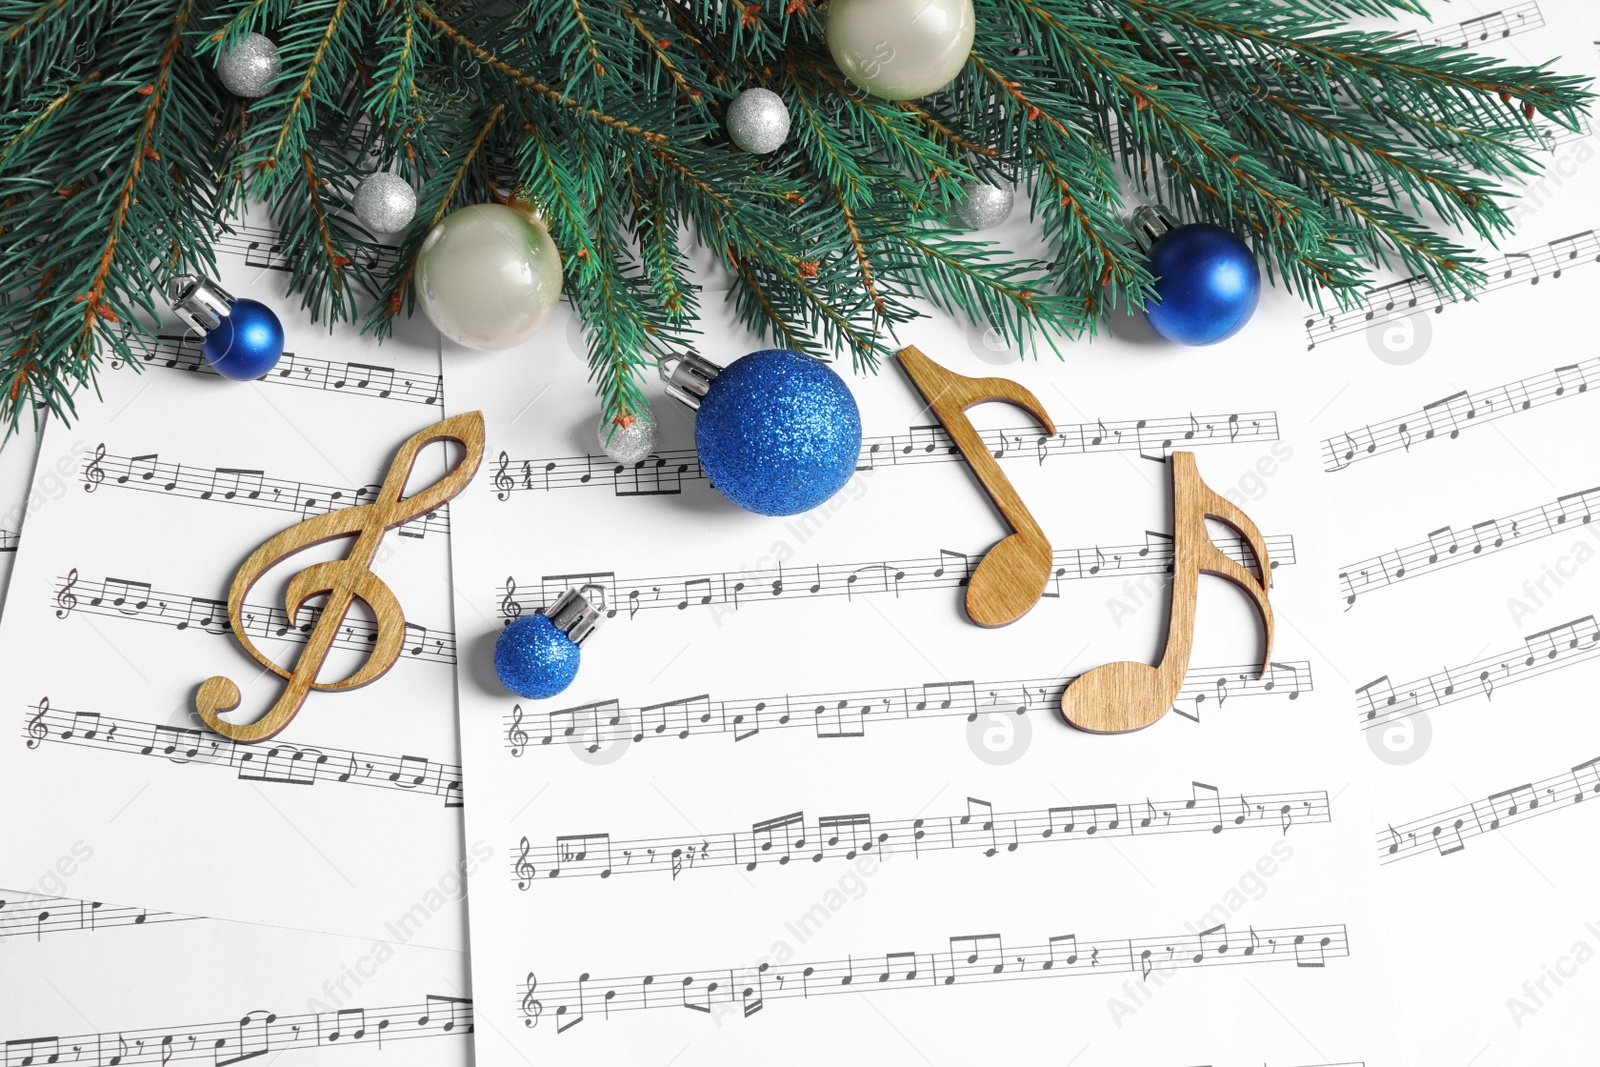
1011, 577
343, 580
1119, 697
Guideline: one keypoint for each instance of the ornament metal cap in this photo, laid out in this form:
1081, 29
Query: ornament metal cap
689, 379
1149, 224
574, 616
201, 303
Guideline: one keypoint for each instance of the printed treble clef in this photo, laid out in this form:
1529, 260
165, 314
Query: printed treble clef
517, 735
503, 481
92, 474
65, 599
525, 869
530, 1007
37, 731
508, 605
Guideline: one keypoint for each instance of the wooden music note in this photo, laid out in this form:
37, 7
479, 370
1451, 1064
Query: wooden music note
1118, 697
343, 580
1009, 580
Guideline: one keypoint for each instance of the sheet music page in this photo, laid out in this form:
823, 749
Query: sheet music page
790, 770
17, 458
214, 992
117, 610
1458, 447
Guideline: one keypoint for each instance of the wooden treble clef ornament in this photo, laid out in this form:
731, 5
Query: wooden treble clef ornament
343, 580
1117, 697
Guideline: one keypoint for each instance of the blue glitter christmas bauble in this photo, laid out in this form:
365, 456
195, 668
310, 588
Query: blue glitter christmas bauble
246, 344
778, 432
1208, 282
534, 659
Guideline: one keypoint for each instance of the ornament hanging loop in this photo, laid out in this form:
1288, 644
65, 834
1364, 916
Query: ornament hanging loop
688, 378
574, 615
201, 303
1149, 224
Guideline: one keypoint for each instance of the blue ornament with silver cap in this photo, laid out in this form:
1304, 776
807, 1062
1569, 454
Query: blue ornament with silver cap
1207, 280
777, 432
536, 656
243, 338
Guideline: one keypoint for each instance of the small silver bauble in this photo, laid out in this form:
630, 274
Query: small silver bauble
247, 67
488, 276
385, 202
629, 444
985, 206
901, 49
758, 121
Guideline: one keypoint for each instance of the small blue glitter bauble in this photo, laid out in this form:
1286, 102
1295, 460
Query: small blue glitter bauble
534, 659
246, 344
778, 432
1208, 282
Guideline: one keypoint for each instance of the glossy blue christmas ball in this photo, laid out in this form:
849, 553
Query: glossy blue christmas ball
1208, 282
246, 344
778, 432
534, 659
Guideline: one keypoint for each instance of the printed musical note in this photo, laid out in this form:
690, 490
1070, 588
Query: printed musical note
665, 471
777, 841
1548, 650
280, 764
965, 959
1445, 419
949, 569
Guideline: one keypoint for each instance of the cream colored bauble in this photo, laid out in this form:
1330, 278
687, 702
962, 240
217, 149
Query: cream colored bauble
488, 276
900, 49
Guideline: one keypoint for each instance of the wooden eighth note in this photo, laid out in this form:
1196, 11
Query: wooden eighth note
1118, 697
343, 580
1012, 576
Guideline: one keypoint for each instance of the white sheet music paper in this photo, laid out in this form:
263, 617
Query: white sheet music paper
790, 770
1470, 595
216, 993
17, 457
117, 611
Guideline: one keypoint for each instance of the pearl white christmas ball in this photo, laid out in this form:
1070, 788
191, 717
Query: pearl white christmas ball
385, 202
985, 206
488, 276
901, 49
247, 67
629, 444
758, 121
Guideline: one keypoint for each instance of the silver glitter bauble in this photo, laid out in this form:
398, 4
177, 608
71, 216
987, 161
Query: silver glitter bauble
901, 49
629, 444
247, 67
986, 205
758, 121
488, 276
385, 202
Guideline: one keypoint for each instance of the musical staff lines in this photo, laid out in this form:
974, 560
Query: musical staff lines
663, 473
29, 914
1565, 645
1446, 547
235, 485
1447, 832
182, 352
127, 599
260, 247
1519, 18
949, 569
849, 714
966, 959
1550, 260
1447, 417
792, 837
271, 762
9, 540
255, 1034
